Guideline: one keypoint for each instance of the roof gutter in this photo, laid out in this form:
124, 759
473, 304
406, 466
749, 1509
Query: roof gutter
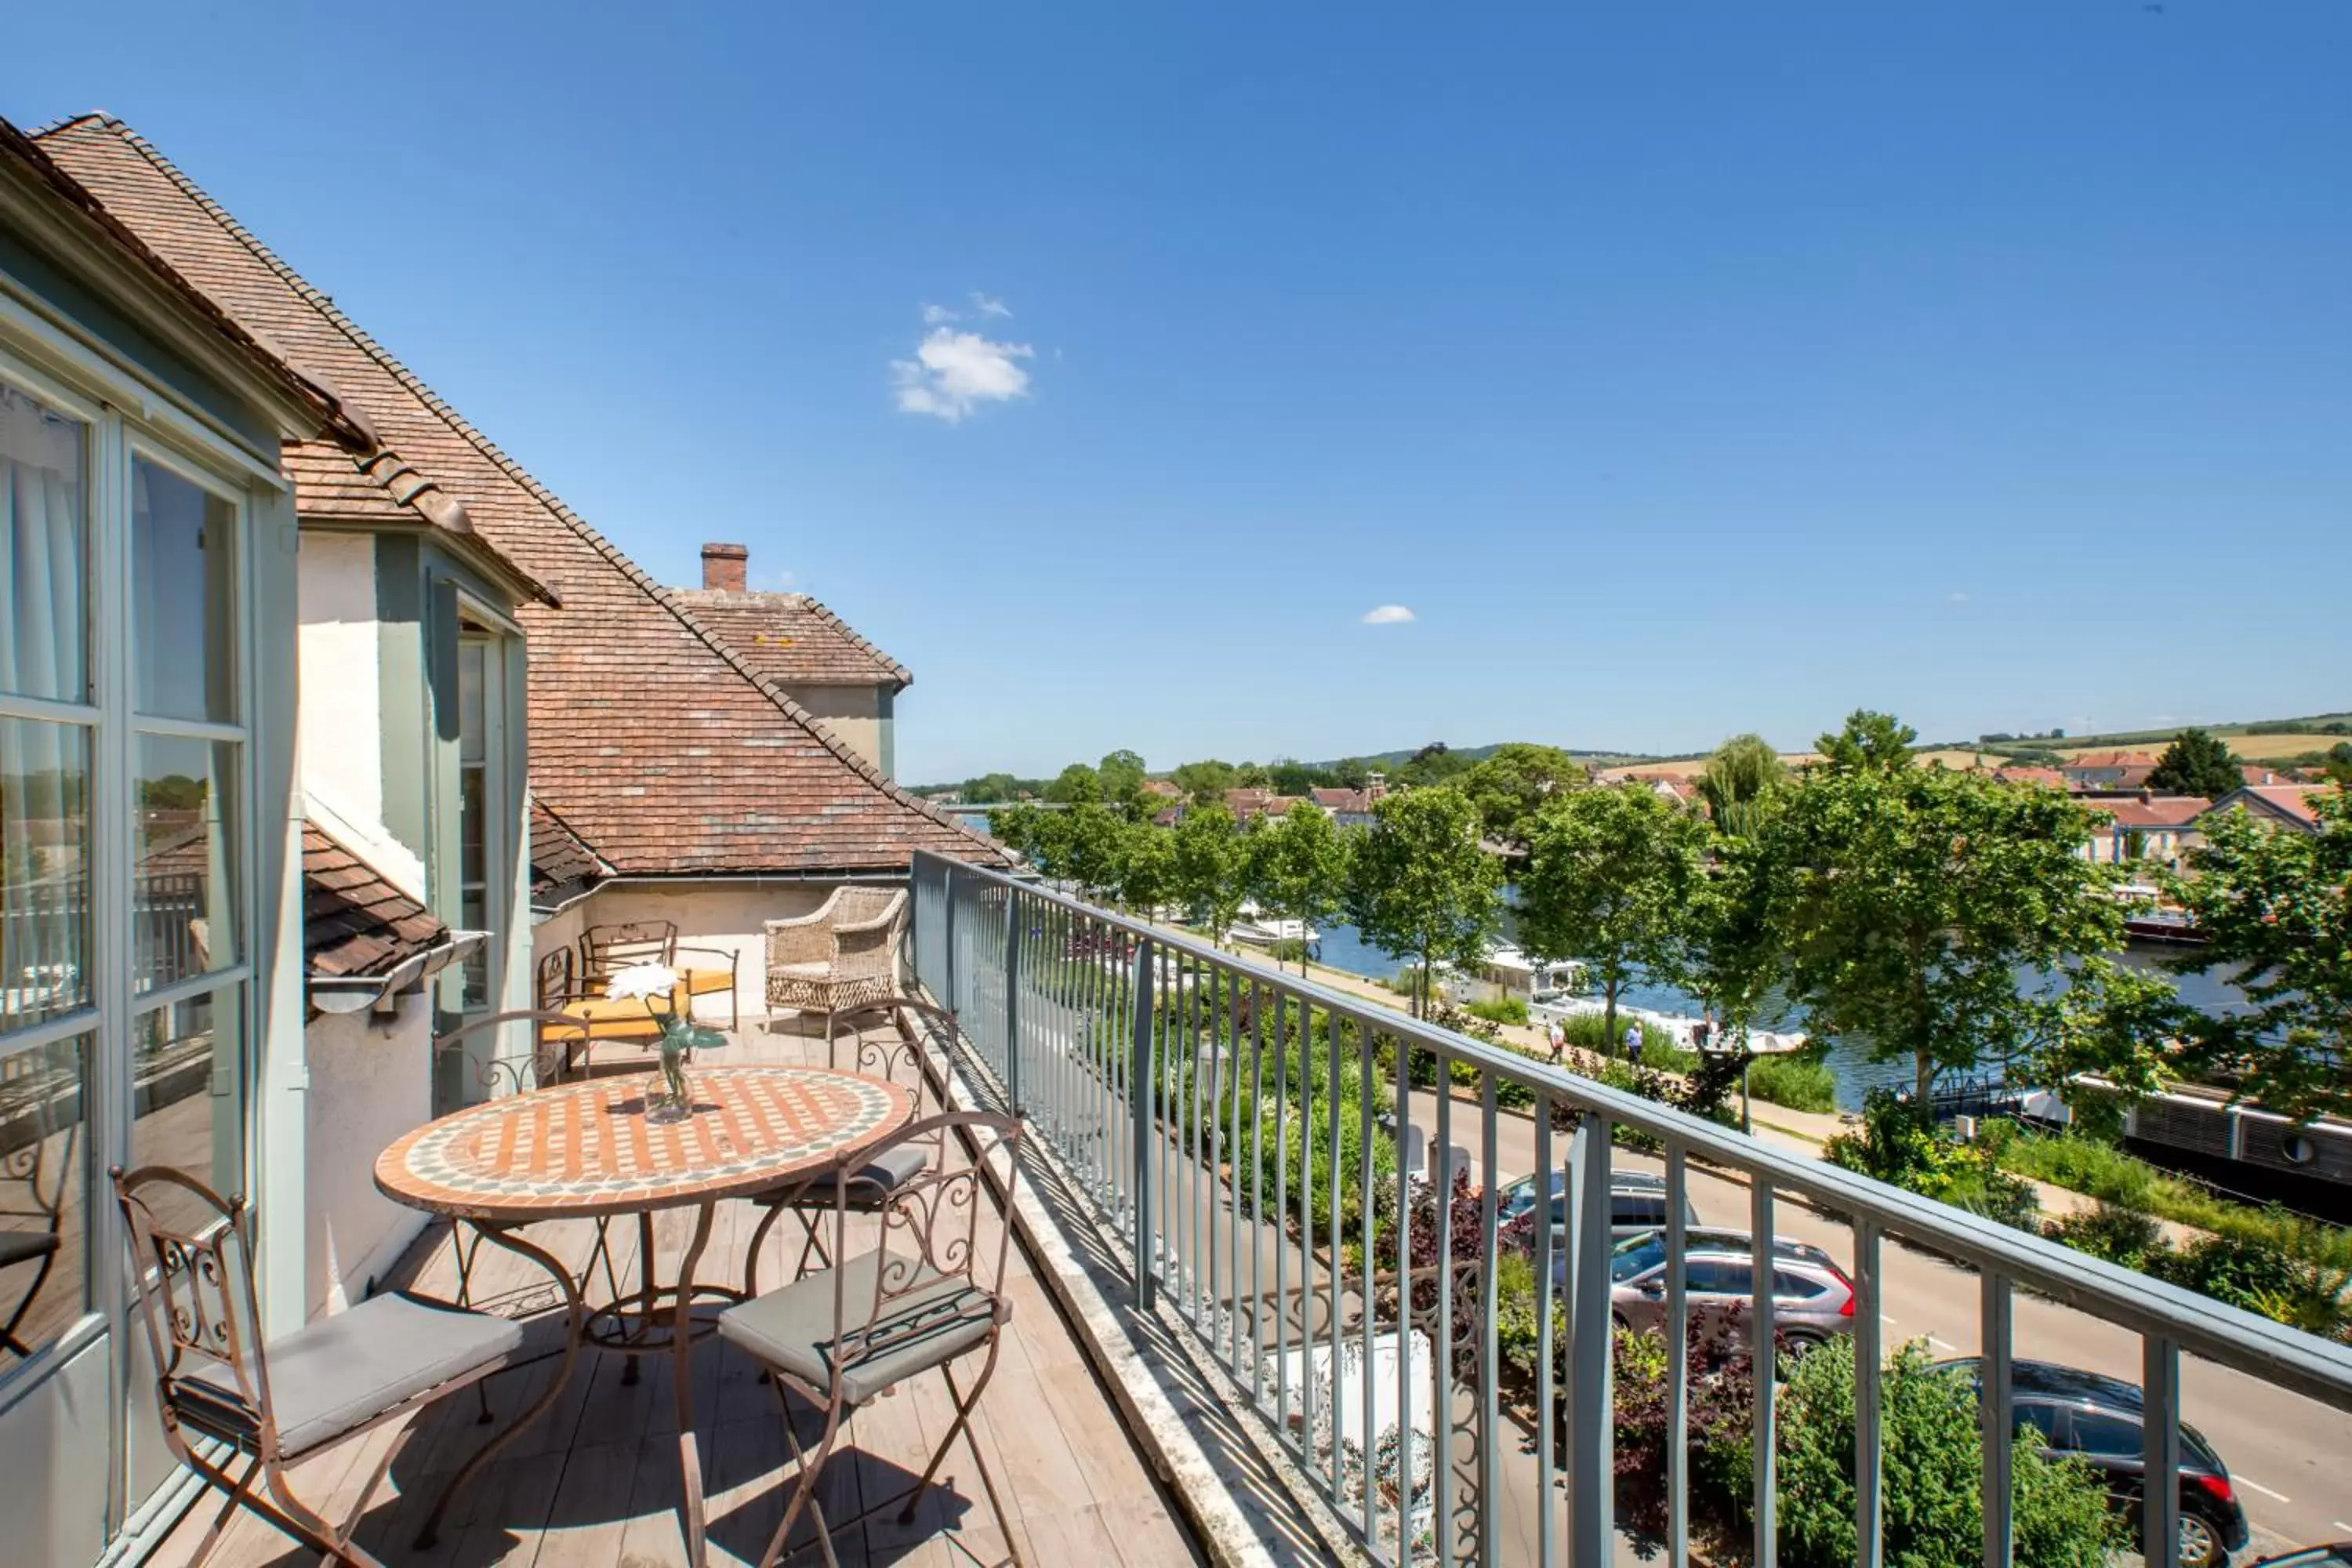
714, 878
381, 992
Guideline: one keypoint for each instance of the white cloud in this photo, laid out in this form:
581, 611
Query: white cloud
937, 315
1387, 616
991, 305
954, 371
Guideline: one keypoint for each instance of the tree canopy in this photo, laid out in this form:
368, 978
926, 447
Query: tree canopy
1298, 865
2275, 906
1919, 895
2197, 762
1206, 869
1205, 783
1870, 742
1074, 785
1741, 782
1610, 880
1511, 785
1419, 886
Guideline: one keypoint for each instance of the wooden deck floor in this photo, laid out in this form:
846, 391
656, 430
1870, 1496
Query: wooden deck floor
594, 1483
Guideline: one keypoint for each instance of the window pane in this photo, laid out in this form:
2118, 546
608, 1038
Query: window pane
184, 897
44, 1196
2114, 1436
473, 914
188, 1077
45, 927
471, 722
472, 853
44, 551
184, 613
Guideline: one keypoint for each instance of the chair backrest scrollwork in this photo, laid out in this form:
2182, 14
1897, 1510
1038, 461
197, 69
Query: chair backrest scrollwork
192, 1270
605, 950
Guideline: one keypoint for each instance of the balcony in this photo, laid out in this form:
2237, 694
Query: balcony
1216, 1288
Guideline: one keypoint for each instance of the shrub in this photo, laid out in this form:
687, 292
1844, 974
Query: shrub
1933, 1458
1802, 1082
2118, 1234
1502, 1010
1900, 1144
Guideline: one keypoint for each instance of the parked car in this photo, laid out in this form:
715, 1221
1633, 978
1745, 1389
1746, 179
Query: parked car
2334, 1554
1637, 1205
1812, 1298
2101, 1418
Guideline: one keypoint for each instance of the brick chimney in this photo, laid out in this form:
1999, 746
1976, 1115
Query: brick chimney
724, 568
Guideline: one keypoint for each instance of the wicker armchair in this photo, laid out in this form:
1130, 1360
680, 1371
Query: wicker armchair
845, 955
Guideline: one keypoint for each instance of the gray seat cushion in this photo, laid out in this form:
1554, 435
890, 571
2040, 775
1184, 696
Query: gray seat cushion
871, 1183
793, 1329
24, 1246
335, 1375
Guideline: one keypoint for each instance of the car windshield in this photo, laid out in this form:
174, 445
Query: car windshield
1637, 1255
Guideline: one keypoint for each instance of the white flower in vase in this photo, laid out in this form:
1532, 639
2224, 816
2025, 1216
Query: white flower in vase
641, 980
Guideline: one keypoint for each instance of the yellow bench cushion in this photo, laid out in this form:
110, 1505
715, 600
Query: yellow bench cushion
627, 1019
705, 981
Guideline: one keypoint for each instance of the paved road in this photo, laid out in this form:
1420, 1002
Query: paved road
2290, 1457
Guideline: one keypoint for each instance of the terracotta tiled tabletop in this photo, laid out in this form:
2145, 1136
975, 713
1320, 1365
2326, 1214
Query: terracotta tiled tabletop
585, 1149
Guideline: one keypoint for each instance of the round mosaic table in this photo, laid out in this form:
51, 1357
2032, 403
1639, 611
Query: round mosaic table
585, 1151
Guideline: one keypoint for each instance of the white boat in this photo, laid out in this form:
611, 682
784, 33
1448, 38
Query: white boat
1259, 929
1508, 970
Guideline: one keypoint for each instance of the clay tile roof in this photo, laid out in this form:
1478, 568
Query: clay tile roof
354, 921
658, 743
2163, 810
383, 488
2290, 800
793, 640
560, 862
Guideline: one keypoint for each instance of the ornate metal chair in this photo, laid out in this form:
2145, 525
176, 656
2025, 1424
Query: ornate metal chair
844, 955
561, 990
606, 949
931, 1296
273, 1405
892, 1056
35, 1225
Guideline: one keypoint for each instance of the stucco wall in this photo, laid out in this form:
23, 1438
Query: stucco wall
853, 713
369, 1084
342, 716
729, 916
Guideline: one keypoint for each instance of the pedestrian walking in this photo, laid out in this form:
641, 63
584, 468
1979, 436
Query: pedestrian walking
1634, 1042
1557, 1038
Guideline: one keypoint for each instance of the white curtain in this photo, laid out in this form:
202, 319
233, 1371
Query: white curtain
43, 783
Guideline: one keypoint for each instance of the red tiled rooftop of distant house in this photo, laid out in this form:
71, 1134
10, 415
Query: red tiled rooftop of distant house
354, 921
2291, 801
2050, 777
2256, 773
2125, 779
2110, 759
1161, 787
791, 638
2158, 811
663, 746
1245, 804
1347, 800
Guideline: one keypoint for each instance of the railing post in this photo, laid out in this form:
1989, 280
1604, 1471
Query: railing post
1138, 1082
1014, 921
948, 936
1591, 1521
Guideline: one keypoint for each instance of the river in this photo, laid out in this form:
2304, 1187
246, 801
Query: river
1849, 1061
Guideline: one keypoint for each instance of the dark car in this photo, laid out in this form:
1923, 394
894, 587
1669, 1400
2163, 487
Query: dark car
2100, 1418
1637, 1203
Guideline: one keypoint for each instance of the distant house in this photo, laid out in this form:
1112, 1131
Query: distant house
2048, 778
2148, 829
2285, 804
836, 676
2108, 770
1351, 807
1248, 804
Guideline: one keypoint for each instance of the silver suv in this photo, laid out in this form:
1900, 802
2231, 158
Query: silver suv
1637, 1206
1813, 1298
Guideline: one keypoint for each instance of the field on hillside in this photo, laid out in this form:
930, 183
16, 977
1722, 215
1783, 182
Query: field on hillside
2253, 748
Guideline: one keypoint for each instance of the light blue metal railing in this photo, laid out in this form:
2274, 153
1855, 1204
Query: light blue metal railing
1252, 1134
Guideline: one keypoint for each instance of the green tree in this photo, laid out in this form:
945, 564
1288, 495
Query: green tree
990, 788
1870, 742
1297, 778
1208, 870
1252, 775
1298, 866
1736, 945
1077, 784
1205, 783
1511, 785
1919, 895
1419, 886
1023, 828
2275, 906
1085, 847
2340, 764
1435, 763
1741, 783
1354, 773
2196, 762
1147, 870
1610, 879
1121, 776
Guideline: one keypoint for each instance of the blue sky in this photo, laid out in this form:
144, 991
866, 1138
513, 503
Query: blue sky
1683, 369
